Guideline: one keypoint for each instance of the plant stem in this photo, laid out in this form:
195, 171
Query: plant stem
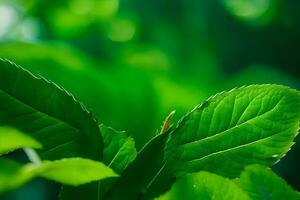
32, 156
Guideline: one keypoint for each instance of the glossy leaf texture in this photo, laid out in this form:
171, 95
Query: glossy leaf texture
71, 171
205, 186
139, 176
250, 125
12, 139
119, 149
263, 184
47, 113
119, 152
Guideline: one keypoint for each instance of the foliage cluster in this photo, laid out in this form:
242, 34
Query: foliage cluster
222, 149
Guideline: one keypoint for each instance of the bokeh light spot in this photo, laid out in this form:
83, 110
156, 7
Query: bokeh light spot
148, 58
248, 9
106, 9
67, 24
8, 18
81, 7
121, 30
29, 29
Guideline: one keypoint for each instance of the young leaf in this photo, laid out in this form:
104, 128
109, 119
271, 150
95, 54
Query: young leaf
142, 172
119, 150
48, 113
12, 139
205, 185
167, 125
13, 175
249, 125
262, 184
71, 171
74, 171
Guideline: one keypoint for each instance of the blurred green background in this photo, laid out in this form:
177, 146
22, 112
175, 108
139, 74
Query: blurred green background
132, 62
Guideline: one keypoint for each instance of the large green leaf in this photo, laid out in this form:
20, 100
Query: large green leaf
98, 86
48, 113
263, 184
139, 176
71, 171
248, 125
205, 186
12, 139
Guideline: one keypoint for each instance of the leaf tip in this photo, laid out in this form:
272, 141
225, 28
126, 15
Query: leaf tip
167, 123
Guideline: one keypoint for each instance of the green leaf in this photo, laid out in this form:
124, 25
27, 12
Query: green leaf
99, 87
139, 176
13, 175
12, 139
248, 125
263, 184
119, 150
72, 171
205, 185
48, 113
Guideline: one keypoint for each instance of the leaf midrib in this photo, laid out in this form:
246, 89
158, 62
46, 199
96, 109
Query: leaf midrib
117, 154
45, 114
231, 128
59, 146
231, 149
38, 110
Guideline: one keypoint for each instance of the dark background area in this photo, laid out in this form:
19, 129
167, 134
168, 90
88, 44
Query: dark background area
131, 62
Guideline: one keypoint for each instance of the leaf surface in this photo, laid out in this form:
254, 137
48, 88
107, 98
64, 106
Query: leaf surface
119, 152
119, 149
12, 175
98, 87
69, 171
249, 125
48, 113
263, 184
74, 171
138, 177
205, 186
12, 139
